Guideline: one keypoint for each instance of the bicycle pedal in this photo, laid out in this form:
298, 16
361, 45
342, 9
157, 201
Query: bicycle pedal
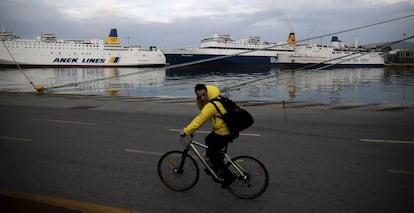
217, 180
207, 172
220, 174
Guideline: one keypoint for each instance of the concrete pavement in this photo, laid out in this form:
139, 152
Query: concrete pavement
321, 157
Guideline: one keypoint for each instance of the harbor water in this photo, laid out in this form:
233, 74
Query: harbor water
362, 85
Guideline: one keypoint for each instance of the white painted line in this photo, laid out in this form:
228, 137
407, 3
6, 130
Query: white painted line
385, 141
401, 172
250, 134
143, 152
208, 132
65, 122
15, 139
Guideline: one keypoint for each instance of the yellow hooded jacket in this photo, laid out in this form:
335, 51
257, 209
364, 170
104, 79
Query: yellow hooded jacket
209, 112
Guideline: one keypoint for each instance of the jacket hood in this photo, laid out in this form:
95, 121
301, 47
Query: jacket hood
213, 92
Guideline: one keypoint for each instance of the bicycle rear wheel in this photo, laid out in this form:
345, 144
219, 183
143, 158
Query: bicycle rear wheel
254, 181
178, 171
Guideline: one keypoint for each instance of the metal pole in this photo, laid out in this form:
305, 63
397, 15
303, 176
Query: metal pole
404, 59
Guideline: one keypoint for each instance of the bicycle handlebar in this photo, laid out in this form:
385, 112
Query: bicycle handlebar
186, 140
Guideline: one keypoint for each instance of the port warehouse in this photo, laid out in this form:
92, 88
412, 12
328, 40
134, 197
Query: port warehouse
405, 56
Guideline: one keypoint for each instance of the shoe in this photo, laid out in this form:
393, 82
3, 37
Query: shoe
227, 181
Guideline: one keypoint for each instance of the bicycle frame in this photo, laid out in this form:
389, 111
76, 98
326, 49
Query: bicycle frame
192, 145
180, 171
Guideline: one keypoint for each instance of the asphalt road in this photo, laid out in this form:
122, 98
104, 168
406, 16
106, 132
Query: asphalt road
105, 151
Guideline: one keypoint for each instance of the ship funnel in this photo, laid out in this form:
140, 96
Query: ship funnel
292, 39
113, 37
336, 43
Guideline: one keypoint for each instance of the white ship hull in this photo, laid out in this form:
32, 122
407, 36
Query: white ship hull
230, 52
94, 53
61, 55
328, 55
220, 52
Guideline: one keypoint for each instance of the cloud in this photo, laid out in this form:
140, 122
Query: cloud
146, 12
185, 22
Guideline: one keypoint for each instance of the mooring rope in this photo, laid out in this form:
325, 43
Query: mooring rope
223, 57
344, 59
38, 88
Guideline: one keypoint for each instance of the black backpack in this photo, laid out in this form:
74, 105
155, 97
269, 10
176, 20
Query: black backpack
236, 118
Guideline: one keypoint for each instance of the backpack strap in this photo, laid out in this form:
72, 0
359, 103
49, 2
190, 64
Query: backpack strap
214, 104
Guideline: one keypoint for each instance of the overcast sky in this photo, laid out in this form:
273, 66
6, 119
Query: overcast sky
178, 23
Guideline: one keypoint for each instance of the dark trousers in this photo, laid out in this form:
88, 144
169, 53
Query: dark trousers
215, 144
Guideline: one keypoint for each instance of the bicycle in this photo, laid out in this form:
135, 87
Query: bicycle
180, 172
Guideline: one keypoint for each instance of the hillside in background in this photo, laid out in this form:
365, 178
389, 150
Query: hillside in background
400, 45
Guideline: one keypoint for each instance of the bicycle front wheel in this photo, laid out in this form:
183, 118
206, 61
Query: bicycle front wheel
178, 171
254, 180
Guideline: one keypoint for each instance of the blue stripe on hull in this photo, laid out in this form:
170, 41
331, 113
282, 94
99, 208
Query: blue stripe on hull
251, 60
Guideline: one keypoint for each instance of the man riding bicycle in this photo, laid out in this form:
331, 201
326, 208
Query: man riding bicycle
220, 136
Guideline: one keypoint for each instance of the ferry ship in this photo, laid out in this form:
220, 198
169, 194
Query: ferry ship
335, 55
47, 50
251, 51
